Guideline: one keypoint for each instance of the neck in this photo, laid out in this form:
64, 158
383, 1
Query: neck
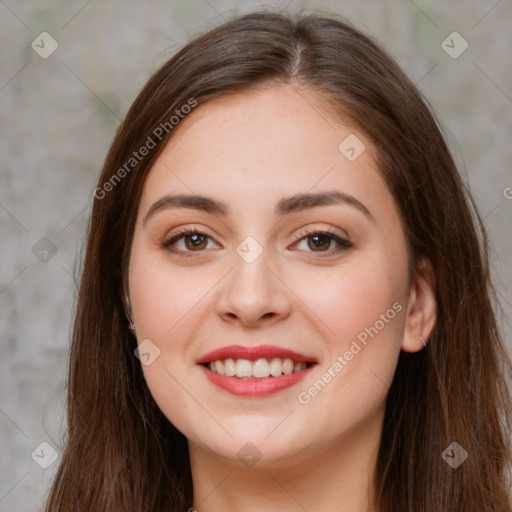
338, 477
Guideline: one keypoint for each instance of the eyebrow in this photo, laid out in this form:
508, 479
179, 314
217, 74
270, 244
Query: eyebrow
285, 206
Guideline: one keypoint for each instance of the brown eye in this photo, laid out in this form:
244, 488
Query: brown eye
321, 241
197, 241
194, 241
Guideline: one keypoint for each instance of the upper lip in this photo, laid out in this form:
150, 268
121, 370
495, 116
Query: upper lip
261, 351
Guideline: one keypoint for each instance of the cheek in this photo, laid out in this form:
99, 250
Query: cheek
362, 309
168, 303
164, 295
164, 313
347, 301
351, 387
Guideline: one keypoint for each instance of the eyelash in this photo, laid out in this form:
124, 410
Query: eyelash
167, 244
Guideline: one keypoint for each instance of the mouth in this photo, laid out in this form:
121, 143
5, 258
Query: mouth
261, 368
255, 371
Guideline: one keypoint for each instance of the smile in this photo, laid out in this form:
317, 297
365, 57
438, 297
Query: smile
259, 369
255, 371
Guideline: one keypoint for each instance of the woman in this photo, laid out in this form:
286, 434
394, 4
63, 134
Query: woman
285, 300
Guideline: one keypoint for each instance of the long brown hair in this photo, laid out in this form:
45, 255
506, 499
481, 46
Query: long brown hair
122, 454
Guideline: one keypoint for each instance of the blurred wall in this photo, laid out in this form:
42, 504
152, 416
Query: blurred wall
68, 72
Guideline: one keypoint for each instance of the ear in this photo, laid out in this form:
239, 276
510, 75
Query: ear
421, 308
126, 303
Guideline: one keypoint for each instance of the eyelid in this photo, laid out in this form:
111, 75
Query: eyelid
180, 232
308, 231
342, 240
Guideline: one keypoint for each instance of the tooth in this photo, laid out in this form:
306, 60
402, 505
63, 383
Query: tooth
219, 366
229, 367
276, 367
243, 368
287, 366
298, 367
261, 368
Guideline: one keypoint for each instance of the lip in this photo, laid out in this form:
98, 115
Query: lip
253, 353
254, 387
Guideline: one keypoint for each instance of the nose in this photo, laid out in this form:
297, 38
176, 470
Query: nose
254, 294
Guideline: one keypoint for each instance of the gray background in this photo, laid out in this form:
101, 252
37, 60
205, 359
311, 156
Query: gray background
58, 116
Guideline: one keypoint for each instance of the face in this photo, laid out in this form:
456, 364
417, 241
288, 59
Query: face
299, 248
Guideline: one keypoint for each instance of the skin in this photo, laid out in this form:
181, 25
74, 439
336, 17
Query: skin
249, 151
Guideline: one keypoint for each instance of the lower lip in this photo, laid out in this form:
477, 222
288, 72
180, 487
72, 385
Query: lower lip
255, 387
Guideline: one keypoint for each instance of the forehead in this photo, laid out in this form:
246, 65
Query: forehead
262, 145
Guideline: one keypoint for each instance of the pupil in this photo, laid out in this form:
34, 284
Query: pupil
196, 240
317, 237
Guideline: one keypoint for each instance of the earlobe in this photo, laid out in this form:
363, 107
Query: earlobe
127, 309
421, 311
